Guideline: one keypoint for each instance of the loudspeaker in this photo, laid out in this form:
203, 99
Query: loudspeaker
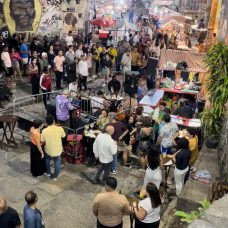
151, 67
131, 82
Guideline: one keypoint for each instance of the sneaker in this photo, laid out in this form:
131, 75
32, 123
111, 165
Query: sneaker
127, 166
103, 85
55, 179
114, 172
47, 175
94, 76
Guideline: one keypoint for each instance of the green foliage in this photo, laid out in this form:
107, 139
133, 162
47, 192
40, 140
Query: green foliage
189, 217
217, 85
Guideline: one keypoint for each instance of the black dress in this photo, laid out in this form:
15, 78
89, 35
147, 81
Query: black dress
37, 164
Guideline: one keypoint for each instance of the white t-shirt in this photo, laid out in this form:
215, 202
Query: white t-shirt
97, 102
69, 40
153, 214
154, 176
83, 68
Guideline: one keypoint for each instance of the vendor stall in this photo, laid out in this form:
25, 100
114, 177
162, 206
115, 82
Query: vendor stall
183, 71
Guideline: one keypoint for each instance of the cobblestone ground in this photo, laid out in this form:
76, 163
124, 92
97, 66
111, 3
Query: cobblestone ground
65, 203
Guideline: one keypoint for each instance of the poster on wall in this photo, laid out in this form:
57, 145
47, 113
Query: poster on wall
22, 15
223, 22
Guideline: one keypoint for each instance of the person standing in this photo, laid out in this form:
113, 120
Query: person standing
83, 72
104, 148
126, 61
51, 57
58, 63
37, 162
109, 207
69, 39
135, 59
120, 131
24, 52
181, 158
45, 84
34, 76
168, 132
32, 215
63, 107
9, 217
106, 65
5, 57
148, 211
15, 58
52, 138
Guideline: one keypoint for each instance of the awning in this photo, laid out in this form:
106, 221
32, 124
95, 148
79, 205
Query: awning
194, 60
103, 22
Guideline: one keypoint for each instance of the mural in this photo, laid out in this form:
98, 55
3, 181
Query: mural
22, 15
44, 17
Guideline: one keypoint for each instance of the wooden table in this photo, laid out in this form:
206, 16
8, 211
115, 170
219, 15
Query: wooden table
8, 123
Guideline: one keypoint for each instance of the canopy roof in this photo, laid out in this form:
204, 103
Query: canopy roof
194, 60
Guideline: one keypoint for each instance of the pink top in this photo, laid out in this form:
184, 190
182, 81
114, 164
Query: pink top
58, 60
15, 56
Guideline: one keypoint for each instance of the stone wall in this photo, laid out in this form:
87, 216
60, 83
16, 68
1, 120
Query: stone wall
223, 152
46, 17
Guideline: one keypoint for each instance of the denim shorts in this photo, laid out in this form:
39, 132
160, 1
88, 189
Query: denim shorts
166, 150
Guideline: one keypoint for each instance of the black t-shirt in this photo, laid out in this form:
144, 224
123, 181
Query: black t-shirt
184, 111
183, 159
9, 219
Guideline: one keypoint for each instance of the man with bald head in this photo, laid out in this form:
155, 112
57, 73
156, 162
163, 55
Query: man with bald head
104, 148
8, 216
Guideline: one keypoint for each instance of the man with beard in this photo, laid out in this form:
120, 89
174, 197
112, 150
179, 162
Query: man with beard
23, 13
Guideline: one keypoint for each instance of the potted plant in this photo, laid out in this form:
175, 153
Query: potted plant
217, 86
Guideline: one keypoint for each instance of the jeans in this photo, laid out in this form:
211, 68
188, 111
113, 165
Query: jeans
106, 167
45, 96
99, 225
179, 176
114, 162
57, 161
59, 76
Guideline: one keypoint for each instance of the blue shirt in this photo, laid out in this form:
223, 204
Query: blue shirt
24, 48
32, 218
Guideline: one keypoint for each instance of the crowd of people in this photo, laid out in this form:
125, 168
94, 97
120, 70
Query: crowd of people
124, 129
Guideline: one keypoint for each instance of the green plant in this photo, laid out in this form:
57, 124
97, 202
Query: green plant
189, 217
217, 62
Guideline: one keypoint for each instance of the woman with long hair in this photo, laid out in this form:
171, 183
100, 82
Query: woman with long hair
34, 76
144, 138
147, 214
153, 172
15, 58
37, 161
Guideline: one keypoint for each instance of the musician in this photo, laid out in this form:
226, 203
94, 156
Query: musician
114, 85
99, 102
63, 107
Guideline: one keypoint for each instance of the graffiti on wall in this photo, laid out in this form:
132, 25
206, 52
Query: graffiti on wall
46, 17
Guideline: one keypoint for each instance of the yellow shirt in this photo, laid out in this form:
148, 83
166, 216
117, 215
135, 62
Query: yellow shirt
52, 138
113, 52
